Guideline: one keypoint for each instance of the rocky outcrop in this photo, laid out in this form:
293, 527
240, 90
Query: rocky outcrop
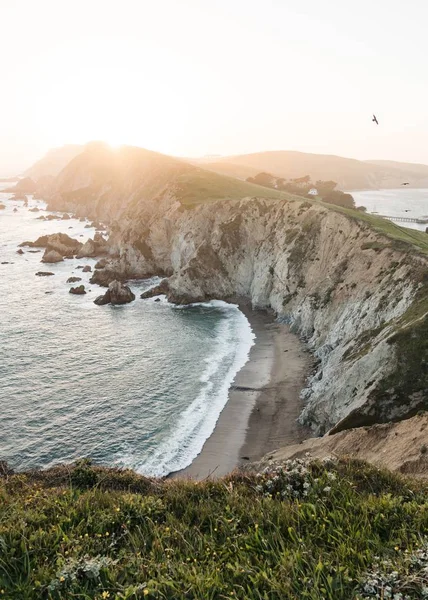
92, 248
157, 290
2, 206
79, 290
51, 256
44, 273
60, 243
117, 293
74, 279
356, 296
25, 186
87, 269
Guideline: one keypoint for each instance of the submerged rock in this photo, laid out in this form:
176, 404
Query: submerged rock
73, 279
20, 251
2, 206
117, 293
44, 273
51, 256
87, 269
79, 290
35, 209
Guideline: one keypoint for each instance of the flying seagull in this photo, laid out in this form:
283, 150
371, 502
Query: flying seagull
375, 120
406, 183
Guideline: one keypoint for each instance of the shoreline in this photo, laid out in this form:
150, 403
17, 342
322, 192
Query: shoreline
263, 404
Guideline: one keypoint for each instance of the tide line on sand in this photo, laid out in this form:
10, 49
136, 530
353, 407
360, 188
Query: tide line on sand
263, 405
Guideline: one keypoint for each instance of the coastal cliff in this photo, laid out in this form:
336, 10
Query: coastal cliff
352, 286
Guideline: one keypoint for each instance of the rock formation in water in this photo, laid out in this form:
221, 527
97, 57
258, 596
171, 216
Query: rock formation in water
117, 293
24, 186
60, 243
78, 291
354, 287
44, 273
74, 279
51, 256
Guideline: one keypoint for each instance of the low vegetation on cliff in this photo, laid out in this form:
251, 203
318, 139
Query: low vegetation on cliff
301, 529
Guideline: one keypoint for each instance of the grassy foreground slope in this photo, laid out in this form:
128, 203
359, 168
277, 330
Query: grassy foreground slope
301, 530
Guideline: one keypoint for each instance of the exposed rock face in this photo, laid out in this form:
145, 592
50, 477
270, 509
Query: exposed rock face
44, 273
157, 290
96, 247
346, 290
61, 243
357, 298
51, 256
79, 290
117, 293
20, 196
26, 185
73, 279
101, 263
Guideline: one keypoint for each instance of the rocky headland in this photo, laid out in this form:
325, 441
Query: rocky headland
352, 286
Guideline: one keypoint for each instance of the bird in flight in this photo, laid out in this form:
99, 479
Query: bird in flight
406, 183
375, 120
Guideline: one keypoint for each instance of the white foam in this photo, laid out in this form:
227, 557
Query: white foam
197, 422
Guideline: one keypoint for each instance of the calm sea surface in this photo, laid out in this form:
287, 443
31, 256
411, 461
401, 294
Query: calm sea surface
403, 202
140, 385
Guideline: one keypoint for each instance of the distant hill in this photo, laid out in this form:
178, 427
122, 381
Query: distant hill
53, 162
106, 182
350, 174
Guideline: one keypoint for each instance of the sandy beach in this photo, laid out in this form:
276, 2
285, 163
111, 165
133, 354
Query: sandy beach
260, 415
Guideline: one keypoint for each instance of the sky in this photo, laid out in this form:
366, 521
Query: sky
206, 77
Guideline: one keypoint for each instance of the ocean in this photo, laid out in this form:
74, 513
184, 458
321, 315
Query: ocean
402, 202
140, 385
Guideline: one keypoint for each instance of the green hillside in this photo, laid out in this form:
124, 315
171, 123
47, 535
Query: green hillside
331, 530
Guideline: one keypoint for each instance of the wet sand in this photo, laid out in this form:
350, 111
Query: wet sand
260, 415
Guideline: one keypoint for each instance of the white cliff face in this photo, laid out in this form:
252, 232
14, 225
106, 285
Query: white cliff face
317, 270
345, 289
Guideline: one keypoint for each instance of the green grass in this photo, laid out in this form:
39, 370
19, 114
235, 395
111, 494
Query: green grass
401, 235
200, 186
92, 533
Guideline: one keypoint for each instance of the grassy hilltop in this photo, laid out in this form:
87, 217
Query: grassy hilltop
304, 530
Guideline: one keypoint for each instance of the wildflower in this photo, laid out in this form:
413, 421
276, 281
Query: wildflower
327, 489
146, 592
105, 595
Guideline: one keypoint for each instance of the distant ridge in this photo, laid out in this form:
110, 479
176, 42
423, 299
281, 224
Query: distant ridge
53, 162
349, 173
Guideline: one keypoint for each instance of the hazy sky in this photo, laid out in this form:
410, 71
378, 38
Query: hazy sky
195, 77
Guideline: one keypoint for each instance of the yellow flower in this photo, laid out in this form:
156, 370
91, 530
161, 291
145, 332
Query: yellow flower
117, 509
146, 592
61, 579
396, 548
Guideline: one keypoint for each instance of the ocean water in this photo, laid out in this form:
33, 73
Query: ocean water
140, 385
402, 202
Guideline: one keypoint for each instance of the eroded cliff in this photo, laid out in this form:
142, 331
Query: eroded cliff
356, 295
